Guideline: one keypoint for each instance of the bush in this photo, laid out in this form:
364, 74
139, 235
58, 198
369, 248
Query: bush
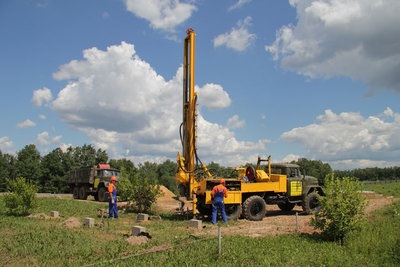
342, 208
21, 197
140, 192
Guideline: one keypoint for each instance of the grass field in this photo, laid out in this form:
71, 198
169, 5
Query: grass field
38, 241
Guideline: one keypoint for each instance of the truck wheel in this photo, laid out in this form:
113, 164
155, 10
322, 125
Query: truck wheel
287, 206
254, 208
310, 203
102, 194
82, 193
75, 192
233, 211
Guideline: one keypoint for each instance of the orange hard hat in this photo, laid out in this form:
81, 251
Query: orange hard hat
221, 181
113, 178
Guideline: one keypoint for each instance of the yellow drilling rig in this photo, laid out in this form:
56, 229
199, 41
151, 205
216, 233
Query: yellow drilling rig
253, 188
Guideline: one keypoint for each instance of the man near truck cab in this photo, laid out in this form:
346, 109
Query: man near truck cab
218, 194
112, 198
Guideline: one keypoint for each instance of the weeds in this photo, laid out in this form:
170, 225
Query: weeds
47, 242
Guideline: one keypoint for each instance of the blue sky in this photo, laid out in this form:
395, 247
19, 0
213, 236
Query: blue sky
286, 78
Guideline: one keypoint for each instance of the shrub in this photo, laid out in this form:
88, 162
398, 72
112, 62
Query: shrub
140, 192
342, 208
21, 197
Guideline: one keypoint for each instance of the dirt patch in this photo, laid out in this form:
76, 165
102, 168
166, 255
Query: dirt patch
71, 222
276, 221
377, 201
39, 216
136, 240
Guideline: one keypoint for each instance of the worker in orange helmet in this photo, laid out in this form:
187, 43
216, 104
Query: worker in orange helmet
218, 193
112, 198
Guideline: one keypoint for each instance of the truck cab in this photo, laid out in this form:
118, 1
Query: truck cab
301, 189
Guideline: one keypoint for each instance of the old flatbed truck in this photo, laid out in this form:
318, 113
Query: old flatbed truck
91, 180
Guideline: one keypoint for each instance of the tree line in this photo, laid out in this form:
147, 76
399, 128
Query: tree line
49, 173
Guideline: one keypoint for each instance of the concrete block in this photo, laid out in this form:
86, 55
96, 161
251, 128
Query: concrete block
193, 223
142, 217
54, 214
136, 230
89, 222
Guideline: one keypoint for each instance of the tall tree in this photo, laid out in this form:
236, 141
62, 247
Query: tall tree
7, 170
101, 156
166, 175
85, 156
28, 164
54, 171
149, 171
123, 163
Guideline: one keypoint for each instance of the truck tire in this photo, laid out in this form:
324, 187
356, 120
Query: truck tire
310, 203
102, 194
82, 193
287, 206
233, 211
254, 208
75, 192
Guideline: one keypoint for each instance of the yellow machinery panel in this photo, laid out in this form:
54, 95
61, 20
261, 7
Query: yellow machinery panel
234, 197
295, 189
276, 184
96, 182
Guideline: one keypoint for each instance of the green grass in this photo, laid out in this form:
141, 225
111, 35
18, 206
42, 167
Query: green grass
388, 189
47, 242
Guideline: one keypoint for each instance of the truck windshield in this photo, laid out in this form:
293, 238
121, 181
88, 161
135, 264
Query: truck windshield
108, 173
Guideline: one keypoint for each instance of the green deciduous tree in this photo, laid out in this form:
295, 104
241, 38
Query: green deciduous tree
7, 170
119, 164
54, 169
342, 208
21, 197
28, 164
166, 175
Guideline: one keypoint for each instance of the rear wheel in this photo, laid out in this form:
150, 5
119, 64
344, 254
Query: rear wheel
254, 208
82, 193
233, 211
75, 192
311, 203
102, 194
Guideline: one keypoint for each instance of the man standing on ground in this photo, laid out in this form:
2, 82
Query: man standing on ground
112, 198
218, 194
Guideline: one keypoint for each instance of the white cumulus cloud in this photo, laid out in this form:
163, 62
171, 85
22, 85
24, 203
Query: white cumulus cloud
44, 139
5, 144
213, 96
41, 97
350, 136
235, 122
26, 124
162, 14
239, 4
125, 107
239, 38
357, 39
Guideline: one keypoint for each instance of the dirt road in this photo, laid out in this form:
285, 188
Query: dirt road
275, 222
